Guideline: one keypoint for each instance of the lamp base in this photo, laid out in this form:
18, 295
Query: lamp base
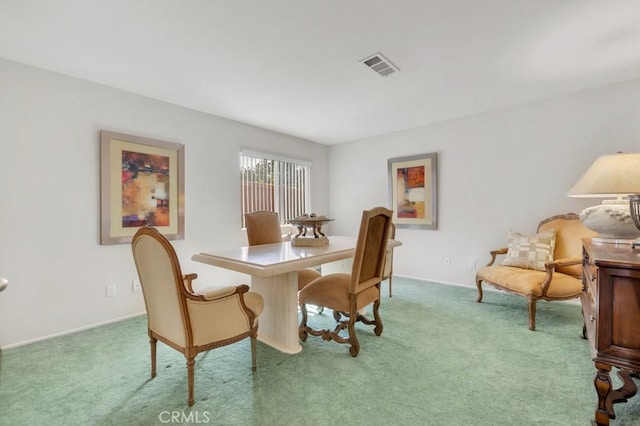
612, 221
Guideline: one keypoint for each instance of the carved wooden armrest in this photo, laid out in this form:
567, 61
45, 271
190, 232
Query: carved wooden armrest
216, 293
551, 267
225, 292
220, 293
567, 261
187, 279
495, 253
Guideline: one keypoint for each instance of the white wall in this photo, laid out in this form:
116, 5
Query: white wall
50, 196
500, 170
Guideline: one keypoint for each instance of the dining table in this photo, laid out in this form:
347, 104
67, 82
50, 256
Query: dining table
274, 275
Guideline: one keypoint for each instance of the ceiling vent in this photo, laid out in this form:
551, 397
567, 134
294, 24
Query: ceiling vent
380, 64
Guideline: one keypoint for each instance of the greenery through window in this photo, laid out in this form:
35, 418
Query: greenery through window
274, 184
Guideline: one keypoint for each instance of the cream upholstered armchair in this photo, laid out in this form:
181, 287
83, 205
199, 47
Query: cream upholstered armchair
190, 322
348, 294
547, 266
263, 227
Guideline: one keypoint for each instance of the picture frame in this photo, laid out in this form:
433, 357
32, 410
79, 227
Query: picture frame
413, 191
141, 183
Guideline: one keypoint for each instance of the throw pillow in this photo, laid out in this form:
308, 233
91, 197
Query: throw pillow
530, 252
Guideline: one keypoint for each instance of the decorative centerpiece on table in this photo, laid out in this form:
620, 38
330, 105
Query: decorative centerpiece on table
309, 228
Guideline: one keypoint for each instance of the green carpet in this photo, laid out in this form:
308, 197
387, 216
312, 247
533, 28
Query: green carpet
443, 359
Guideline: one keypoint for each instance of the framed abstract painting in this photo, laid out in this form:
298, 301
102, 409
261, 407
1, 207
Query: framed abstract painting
413, 191
142, 183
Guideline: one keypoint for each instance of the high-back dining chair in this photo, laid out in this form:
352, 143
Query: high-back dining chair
188, 321
348, 294
388, 262
263, 227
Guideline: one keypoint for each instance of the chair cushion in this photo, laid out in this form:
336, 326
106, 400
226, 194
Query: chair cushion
530, 252
529, 281
332, 291
306, 276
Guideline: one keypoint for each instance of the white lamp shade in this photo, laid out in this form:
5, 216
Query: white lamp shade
613, 175
609, 176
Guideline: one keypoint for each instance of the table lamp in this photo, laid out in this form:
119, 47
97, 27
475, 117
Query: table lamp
612, 175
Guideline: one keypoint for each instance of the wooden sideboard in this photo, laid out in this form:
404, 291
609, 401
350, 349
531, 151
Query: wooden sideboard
611, 307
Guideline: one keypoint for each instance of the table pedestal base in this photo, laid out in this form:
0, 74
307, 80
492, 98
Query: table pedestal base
278, 323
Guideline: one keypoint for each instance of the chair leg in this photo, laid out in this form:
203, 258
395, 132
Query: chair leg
532, 312
353, 339
349, 323
302, 328
376, 316
253, 353
190, 373
479, 286
153, 342
390, 284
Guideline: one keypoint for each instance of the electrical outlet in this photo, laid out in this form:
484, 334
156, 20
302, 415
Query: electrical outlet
135, 286
447, 261
110, 290
471, 264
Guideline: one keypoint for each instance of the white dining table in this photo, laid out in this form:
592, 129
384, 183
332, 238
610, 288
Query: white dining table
274, 275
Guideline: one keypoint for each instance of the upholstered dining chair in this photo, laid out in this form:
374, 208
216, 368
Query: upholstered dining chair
348, 294
188, 321
388, 262
263, 227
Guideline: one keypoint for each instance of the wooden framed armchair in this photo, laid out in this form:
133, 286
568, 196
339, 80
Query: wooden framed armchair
387, 274
263, 227
527, 272
348, 294
190, 322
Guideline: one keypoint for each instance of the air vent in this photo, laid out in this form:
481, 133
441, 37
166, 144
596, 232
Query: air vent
380, 64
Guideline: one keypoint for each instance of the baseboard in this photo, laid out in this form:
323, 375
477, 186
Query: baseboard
75, 330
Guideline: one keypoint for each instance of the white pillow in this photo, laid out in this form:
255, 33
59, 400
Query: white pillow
530, 252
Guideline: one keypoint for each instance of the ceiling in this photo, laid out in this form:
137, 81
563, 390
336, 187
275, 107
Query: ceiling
294, 66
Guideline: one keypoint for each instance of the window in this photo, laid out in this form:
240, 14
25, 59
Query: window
276, 184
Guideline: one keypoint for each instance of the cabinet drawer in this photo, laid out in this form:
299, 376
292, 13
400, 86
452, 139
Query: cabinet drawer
589, 313
589, 272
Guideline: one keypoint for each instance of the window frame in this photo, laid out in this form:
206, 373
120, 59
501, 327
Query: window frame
277, 170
